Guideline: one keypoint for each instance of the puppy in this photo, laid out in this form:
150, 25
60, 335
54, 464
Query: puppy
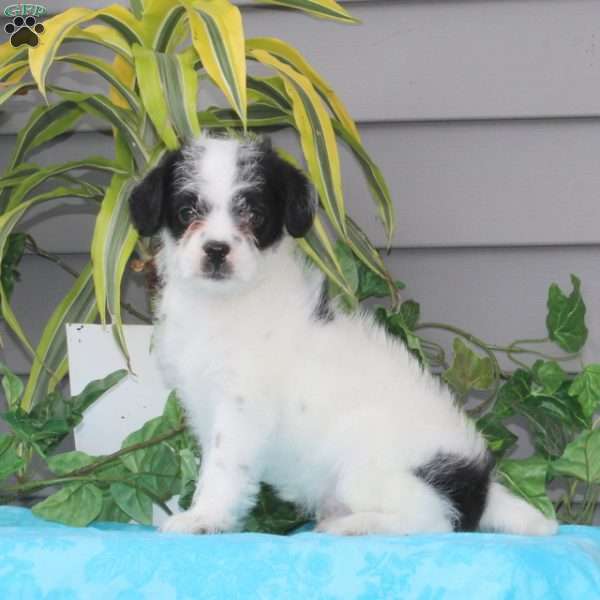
281, 387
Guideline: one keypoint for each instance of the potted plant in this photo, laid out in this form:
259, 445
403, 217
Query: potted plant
162, 51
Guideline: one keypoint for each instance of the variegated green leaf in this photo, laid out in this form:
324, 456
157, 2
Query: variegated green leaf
289, 55
153, 96
325, 9
162, 19
122, 21
50, 365
55, 30
9, 54
8, 91
106, 71
8, 222
316, 137
103, 35
180, 83
111, 233
32, 181
375, 179
119, 118
259, 115
269, 90
218, 37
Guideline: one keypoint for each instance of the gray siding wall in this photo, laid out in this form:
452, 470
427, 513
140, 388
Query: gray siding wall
484, 115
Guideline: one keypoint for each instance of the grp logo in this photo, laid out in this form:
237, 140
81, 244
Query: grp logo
24, 28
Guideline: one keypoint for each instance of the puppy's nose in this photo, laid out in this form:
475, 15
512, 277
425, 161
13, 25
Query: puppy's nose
216, 251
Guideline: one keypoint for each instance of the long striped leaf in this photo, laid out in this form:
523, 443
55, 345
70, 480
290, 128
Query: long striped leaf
10, 54
44, 124
218, 37
125, 73
123, 21
289, 55
101, 107
10, 90
375, 179
153, 96
180, 83
369, 256
56, 28
50, 365
317, 139
110, 234
15, 176
103, 35
29, 183
259, 115
8, 222
13, 72
270, 90
162, 19
106, 71
325, 9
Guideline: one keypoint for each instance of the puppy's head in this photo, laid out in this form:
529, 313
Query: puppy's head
219, 204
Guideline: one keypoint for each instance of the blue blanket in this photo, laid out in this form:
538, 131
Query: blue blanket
45, 560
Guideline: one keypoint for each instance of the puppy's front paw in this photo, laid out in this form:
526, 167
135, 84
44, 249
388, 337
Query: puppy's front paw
191, 522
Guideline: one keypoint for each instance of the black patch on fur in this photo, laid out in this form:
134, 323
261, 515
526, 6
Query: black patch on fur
284, 199
148, 203
322, 311
465, 482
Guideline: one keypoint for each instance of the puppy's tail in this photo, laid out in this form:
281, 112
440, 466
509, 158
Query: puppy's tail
507, 513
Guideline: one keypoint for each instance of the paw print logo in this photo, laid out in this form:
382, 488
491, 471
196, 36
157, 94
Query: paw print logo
24, 31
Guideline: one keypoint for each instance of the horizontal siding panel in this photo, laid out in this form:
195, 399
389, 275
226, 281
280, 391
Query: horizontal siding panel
450, 60
497, 294
502, 183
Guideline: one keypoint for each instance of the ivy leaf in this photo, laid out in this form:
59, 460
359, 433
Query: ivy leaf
513, 394
527, 478
95, 389
12, 386
549, 375
586, 387
133, 502
410, 311
173, 411
157, 465
76, 504
110, 510
566, 317
395, 324
581, 458
60, 464
468, 371
499, 438
10, 461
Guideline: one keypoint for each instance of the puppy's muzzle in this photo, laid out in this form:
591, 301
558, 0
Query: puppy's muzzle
216, 265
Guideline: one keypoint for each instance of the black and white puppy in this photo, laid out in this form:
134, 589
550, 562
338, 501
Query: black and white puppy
278, 386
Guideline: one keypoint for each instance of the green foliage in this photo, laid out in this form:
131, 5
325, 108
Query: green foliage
468, 371
566, 317
13, 253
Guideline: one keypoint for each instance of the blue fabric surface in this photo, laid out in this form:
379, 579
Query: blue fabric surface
47, 560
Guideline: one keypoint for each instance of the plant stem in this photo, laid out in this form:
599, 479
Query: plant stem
480, 344
82, 473
123, 451
33, 247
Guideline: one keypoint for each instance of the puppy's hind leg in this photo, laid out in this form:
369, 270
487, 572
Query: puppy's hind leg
397, 504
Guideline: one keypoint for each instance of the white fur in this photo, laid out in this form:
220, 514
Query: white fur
336, 416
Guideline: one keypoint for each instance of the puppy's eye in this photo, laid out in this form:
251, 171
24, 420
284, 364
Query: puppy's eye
257, 219
186, 214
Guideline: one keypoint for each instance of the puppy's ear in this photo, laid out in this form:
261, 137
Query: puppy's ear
298, 195
149, 197
300, 204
